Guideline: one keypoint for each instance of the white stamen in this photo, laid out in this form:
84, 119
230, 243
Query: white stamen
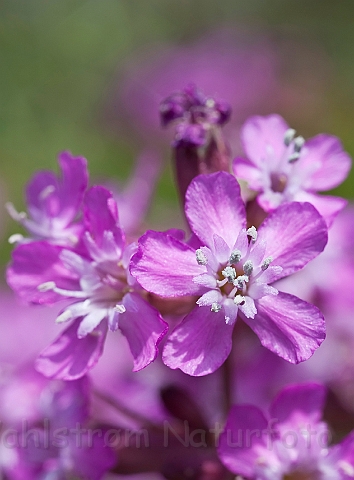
11, 210
64, 317
201, 257
221, 283
15, 238
235, 256
266, 262
240, 281
248, 267
46, 192
346, 468
46, 286
294, 157
298, 144
239, 300
210, 103
229, 273
215, 307
289, 136
261, 461
120, 308
73, 239
252, 232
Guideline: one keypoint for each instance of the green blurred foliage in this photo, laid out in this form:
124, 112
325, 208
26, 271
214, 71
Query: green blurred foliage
60, 57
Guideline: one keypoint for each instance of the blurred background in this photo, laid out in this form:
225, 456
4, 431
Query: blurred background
88, 75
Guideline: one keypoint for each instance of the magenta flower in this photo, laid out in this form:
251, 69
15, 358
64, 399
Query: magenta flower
54, 202
289, 442
231, 272
106, 295
284, 168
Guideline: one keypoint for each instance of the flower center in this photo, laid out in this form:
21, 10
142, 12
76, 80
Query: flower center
278, 182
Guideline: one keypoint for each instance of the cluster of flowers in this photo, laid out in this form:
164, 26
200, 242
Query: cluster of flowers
185, 292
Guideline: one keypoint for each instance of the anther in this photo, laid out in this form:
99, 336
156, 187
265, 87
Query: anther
235, 256
298, 144
15, 238
252, 232
248, 267
239, 300
229, 273
266, 262
18, 216
64, 317
120, 308
240, 282
201, 257
46, 286
215, 307
289, 136
46, 192
346, 468
294, 157
210, 103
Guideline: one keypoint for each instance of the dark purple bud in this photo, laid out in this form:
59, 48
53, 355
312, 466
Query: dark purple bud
198, 145
172, 108
189, 134
224, 111
194, 113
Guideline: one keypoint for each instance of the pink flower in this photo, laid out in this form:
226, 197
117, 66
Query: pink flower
289, 442
97, 277
284, 168
231, 272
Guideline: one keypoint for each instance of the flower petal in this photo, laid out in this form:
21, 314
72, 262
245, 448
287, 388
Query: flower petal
200, 344
292, 244
288, 326
212, 296
214, 206
69, 357
297, 405
63, 196
263, 139
323, 164
101, 215
143, 327
243, 442
205, 280
245, 170
166, 266
91, 321
248, 308
341, 457
326, 205
36, 263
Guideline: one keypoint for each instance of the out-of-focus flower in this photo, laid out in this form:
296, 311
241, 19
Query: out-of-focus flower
231, 272
107, 296
48, 436
283, 168
289, 442
54, 203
